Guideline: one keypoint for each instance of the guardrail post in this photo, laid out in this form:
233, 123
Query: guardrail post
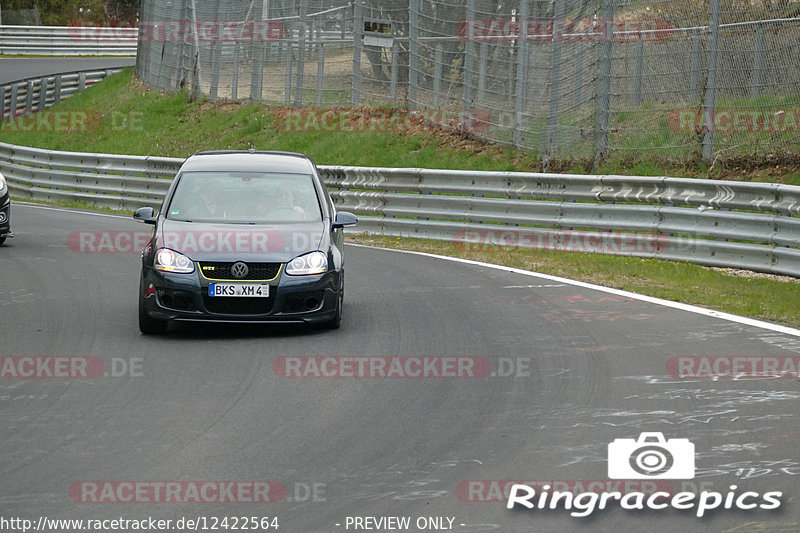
42, 102
57, 90
3, 91
29, 97
12, 112
710, 99
81, 81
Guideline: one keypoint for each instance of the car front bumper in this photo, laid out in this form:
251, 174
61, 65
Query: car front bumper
292, 299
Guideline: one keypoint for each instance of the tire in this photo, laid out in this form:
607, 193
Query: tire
2, 240
147, 325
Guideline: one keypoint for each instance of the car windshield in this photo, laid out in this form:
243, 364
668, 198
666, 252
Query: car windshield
244, 198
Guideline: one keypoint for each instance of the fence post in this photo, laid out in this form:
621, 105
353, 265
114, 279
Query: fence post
393, 74
437, 75
216, 61
604, 84
555, 79
577, 87
484, 57
358, 34
709, 101
287, 96
694, 79
320, 72
639, 67
758, 62
235, 66
469, 55
301, 55
522, 75
413, 52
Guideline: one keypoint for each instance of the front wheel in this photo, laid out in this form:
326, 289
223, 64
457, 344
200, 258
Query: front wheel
2, 240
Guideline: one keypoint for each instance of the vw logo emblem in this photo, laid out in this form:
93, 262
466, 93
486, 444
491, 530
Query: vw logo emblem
239, 270
2, 217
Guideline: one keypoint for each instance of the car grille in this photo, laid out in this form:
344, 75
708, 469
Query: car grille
232, 305
257, 271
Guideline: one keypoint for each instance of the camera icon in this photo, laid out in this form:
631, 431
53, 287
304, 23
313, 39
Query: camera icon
651, 457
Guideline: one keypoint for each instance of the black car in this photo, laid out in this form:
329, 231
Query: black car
244, 236
5, 211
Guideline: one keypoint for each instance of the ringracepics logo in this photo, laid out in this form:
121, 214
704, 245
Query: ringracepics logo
650, 456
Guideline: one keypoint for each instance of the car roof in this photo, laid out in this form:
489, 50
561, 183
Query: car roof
249, 160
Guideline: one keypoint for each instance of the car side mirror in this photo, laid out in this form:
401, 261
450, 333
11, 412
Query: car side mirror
145, 214
343, 218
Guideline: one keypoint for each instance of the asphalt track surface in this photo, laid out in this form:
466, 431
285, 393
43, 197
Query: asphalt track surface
205, 402
19, 68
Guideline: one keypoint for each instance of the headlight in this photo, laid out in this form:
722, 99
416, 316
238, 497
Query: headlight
171, 261
312, 263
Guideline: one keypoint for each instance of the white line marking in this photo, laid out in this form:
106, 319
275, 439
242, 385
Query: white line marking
68, 210
641, 297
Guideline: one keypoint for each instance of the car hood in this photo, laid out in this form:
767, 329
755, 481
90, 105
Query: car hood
273, 243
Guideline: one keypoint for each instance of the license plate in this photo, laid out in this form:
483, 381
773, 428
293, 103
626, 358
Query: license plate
245, 290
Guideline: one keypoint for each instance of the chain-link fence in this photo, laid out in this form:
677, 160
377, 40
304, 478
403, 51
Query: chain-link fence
563, 78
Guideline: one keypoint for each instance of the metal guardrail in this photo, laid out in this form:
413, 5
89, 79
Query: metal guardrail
31, 95
67, 41
719, 223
